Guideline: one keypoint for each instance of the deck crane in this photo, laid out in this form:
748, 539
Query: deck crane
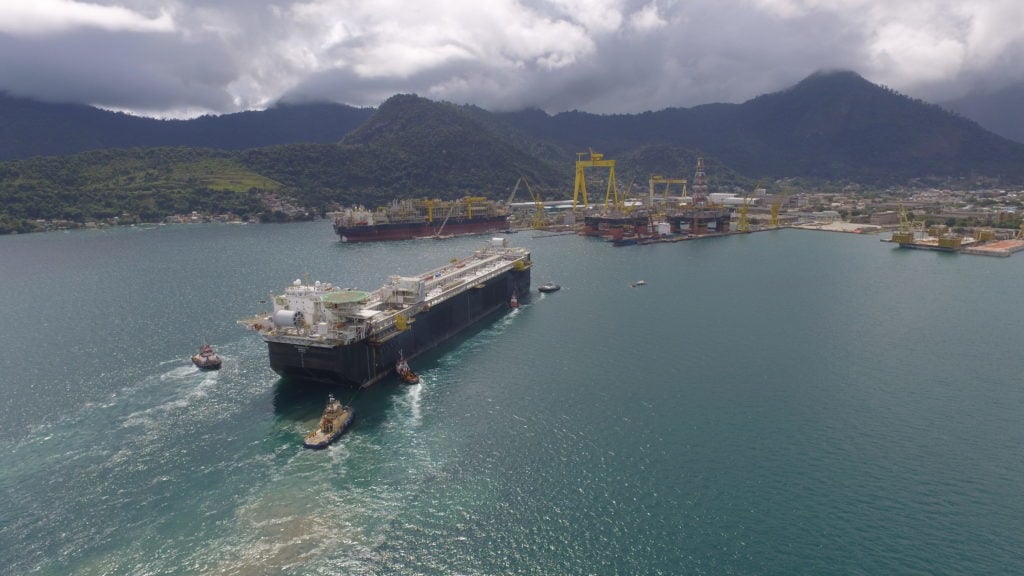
908, 229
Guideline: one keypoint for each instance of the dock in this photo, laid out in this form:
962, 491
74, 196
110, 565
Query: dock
999, 248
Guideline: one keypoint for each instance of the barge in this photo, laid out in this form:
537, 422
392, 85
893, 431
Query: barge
320, 332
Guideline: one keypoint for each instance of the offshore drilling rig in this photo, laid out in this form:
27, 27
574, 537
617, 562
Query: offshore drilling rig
700, 216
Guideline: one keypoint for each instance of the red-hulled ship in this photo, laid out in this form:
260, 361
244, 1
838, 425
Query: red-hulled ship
405, 219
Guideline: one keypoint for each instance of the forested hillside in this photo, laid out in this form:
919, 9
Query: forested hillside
829, 130
830, 127
29, 128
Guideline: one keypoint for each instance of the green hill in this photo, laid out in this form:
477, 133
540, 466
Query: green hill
830, 127
833, 128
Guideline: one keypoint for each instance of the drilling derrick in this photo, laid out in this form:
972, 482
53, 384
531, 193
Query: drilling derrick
700, 185
697, 218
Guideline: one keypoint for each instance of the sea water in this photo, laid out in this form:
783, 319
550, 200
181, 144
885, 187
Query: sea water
785, 402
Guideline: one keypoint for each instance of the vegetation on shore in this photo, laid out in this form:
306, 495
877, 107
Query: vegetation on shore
829, 133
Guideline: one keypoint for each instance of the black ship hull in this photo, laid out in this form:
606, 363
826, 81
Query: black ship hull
368, 361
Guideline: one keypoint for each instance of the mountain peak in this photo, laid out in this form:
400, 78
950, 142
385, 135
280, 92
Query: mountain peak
834, 82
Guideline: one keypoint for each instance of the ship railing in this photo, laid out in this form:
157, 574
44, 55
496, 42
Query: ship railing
469, 280
298, 338
461, 274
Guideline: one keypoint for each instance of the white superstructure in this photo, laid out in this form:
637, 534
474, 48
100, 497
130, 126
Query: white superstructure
321, 314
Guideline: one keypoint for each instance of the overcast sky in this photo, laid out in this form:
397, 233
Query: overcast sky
179, 58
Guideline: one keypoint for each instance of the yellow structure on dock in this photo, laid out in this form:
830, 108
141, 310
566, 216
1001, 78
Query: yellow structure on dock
579, 188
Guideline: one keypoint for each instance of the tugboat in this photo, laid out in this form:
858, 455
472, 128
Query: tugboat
206, 359
404, 372
514, 301
549, 287
334, 421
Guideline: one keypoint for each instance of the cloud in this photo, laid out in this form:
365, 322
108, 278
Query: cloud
27, 18
934, 49
646, 18
173, 57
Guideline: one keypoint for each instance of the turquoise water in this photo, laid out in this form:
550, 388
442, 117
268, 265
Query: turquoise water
785, 402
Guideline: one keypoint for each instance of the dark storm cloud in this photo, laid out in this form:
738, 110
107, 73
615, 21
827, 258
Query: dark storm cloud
118, 70
177, 57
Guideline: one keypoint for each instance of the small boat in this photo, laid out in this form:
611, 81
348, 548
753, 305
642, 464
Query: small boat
404, 372
513, 301
638, 283
549, 287
334, 421
206, 359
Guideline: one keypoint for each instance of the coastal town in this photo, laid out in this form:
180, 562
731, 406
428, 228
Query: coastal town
853, 208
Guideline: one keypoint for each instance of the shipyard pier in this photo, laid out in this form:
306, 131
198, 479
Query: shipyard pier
320, 332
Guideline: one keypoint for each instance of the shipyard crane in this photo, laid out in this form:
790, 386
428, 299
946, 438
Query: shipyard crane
908, 229
742, 223
539, 218
580, 186
619, 202
777, 203
657, 180
514, 189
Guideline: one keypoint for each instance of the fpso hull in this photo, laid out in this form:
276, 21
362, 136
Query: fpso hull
405, 231
366, 362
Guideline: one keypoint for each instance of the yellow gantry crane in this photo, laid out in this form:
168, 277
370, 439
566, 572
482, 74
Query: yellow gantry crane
580, 187
658, 180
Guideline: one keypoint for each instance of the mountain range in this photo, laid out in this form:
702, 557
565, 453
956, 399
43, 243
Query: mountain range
833, 126
1000, 111
831, 129
31, 128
